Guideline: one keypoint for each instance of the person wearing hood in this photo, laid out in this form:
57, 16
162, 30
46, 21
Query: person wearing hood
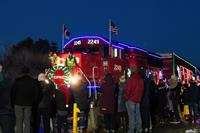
134, 92
107, 103
175, 87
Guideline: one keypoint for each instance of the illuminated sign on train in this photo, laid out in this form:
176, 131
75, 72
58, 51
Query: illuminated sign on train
89, 41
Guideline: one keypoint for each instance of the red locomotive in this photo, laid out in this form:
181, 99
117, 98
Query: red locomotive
96, 57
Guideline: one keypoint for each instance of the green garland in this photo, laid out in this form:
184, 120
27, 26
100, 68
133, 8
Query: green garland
66, 70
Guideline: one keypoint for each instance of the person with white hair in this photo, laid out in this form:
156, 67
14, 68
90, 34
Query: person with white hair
43, 110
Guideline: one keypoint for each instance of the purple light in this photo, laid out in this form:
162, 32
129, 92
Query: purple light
92, 37
132, 47
107, 42
84, 37
117, 47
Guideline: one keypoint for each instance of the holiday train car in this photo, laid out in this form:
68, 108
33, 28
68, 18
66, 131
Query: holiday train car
96, 57
174, 64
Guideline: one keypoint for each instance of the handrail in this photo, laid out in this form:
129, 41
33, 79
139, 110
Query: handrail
90, 91
95, 89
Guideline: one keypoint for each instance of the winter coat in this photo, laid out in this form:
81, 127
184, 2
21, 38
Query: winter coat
46, 96
81, 97
121, 98
60, 99
162, 96
193, 93
134, 88
25, 91
107, 99
146, 96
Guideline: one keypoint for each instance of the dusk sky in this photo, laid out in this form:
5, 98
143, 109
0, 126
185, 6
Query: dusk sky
156, 25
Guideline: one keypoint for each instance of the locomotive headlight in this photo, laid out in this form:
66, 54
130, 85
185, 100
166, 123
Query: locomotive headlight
74, 80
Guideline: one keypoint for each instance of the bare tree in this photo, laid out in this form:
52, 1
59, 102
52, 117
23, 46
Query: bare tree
33, 55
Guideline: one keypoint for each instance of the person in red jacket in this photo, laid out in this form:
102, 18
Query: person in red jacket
134, 92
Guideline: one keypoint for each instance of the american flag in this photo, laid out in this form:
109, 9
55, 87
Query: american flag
66, 32
113, 28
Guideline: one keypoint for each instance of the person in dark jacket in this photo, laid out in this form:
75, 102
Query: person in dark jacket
162, 100
7, 118
108, 103
145, 103
175, 87
80, 93
43, 112
153, 100
24, 96
193, 96
134, 92
64, 107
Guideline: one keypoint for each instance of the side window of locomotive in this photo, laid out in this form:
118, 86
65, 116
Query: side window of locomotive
80, 49
105, 52
117, 53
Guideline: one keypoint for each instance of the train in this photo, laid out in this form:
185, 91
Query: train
96, 56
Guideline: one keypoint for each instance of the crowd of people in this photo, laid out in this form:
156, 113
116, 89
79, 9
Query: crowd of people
139, 103
133, 104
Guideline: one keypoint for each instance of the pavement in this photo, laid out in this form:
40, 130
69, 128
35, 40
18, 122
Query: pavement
181, 128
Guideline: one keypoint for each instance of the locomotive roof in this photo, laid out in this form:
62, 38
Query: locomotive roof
115, 44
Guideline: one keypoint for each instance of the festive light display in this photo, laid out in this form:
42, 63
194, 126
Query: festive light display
60, 75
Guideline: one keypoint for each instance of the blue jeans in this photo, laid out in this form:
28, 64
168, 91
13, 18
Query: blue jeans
134, 115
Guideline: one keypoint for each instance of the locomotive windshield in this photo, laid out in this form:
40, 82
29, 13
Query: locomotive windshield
89, 50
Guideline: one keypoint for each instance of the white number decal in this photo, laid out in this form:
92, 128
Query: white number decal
77, 42
92, 41
117, 68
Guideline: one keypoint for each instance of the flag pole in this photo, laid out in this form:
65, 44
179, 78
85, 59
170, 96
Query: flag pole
63, 41
110, 38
